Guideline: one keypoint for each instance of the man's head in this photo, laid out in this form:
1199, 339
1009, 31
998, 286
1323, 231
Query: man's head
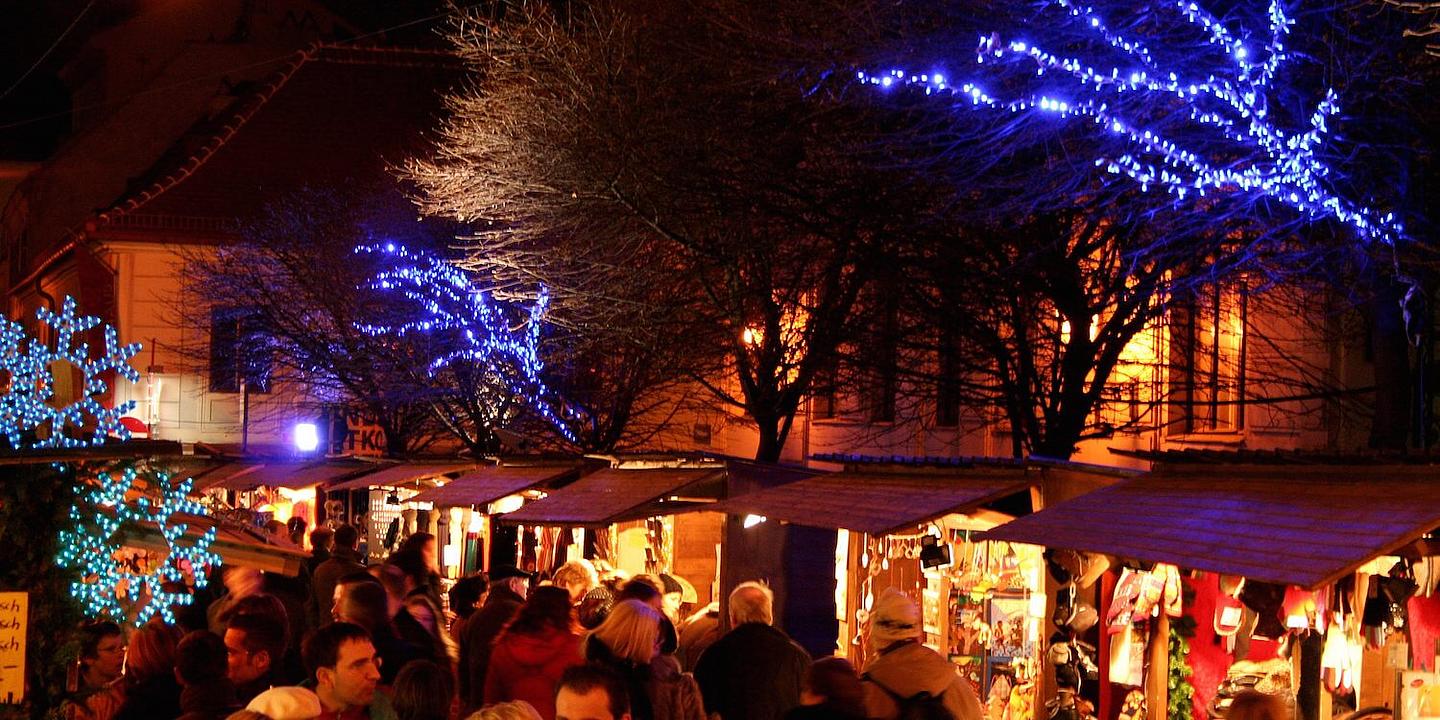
322, 540
243, 581
646, 589
342, 660
513, 579
591, 692
255, 643
102, 649
751, 602
346, 538
363, 603
201, 657
466, 594
674, 595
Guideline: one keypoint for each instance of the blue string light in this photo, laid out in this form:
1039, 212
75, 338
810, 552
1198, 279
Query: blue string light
28, 404
89, 544
1228, 112
450, 302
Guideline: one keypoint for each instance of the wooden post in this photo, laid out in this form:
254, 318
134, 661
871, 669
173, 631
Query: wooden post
1157, 681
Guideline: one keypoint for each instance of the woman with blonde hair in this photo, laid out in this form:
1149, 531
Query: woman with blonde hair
513, 710
628, 642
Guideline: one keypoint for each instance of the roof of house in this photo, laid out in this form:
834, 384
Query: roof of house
1266, 523
332, 114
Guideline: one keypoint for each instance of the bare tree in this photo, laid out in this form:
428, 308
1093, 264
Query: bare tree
287, 299
664, 192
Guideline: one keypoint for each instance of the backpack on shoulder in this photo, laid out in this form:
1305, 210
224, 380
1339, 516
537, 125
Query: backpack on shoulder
920, 706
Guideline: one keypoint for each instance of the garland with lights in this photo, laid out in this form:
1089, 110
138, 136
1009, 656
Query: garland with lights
1187, 135
91, 546
450, 302
27, 401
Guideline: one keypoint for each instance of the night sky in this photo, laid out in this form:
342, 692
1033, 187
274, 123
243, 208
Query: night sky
49, 35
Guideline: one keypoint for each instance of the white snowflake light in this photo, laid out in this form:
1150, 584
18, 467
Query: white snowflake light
1233, 142
89, 545
27, 382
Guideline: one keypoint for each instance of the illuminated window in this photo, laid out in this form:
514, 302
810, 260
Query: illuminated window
1207, 357
239, 350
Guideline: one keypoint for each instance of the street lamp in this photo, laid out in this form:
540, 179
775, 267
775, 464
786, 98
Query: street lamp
307, 437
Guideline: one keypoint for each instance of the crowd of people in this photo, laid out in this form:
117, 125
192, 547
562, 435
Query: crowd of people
346, 640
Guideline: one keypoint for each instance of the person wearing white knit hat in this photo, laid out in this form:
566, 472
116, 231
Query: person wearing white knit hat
287, 703
902, 669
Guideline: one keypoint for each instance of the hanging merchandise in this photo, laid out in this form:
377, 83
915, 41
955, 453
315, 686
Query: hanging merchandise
1174, 590
1122, 603
998, 700
1022, 702
1127, 657
1134, 706
1385, 604
1268, 602
1229, 611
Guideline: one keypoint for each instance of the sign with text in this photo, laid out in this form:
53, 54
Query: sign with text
363, 436
14, 616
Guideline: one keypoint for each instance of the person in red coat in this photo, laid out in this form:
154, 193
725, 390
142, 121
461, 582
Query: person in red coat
533, 651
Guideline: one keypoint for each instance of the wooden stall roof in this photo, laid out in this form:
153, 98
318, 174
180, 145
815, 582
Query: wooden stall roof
235, 546
609, 495
877, 503
401, 474
295, 475
1305, 528
487, 484
227, 475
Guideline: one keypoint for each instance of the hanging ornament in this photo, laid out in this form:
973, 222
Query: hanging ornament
113, 576
28, 366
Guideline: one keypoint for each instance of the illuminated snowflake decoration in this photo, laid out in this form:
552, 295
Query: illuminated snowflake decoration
450, 302
1228, 138
27, 381
113, 578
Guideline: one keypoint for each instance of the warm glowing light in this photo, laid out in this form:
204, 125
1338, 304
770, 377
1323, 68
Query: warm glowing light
753, 520
507, 504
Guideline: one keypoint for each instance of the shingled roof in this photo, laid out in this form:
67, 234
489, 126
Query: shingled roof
333, 114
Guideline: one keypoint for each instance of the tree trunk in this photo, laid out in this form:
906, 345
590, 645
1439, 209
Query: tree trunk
771, 443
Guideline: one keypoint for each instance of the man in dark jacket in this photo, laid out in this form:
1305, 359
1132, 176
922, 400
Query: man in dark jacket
508, 587
201, 667
753, 672
344, 560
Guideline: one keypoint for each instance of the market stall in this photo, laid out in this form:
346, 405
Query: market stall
639, 516
916, 529
380, 503
1306, 577
470, 500
257, 491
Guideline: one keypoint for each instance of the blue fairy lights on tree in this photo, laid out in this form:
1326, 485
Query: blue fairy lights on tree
479, 330
1201, 124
